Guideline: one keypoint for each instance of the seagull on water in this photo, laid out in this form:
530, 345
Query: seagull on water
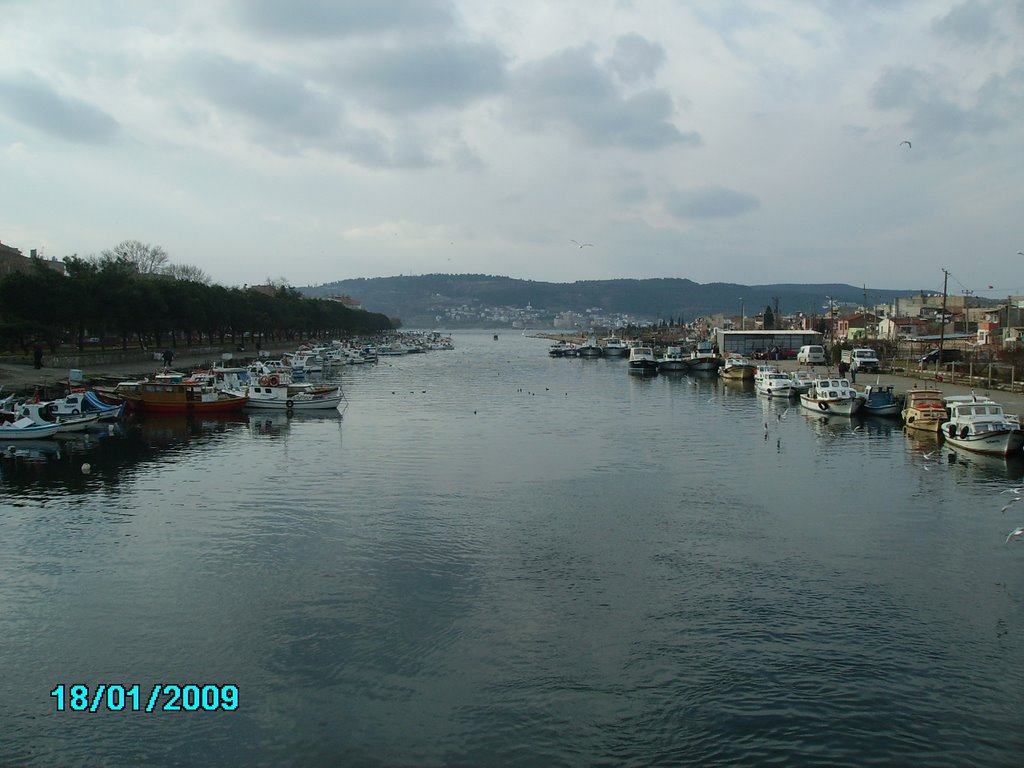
1011, 502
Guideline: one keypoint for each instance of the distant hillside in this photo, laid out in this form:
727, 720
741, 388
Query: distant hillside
419, 300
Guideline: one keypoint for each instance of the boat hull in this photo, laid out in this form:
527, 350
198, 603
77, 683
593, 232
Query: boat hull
994, 443
846, 406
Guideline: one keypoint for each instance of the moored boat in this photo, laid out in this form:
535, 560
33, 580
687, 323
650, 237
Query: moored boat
44, 414
24, 429
924, 410
642, 361
774, 383
277, 392
978, 423
737, 368
880, 401
831, 396
613, 346
590, 349
704, 358
176, 397
672, 360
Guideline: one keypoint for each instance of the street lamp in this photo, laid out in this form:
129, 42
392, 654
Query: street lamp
831, 320
743, 315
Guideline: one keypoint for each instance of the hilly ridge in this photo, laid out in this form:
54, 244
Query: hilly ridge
417, 300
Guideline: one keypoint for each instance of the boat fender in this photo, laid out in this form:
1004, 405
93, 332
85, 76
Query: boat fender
273, 380
964, 432
952, 430
75, 412
289, 404
823, 406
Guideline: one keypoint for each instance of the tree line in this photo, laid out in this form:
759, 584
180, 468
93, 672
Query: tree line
131, 295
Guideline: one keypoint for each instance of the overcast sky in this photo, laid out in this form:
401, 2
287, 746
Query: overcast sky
316, 140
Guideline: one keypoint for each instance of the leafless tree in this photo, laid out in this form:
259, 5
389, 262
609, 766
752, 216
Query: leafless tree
187, 272
148, 259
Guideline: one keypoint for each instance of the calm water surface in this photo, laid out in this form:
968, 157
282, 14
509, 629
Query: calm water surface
498, 558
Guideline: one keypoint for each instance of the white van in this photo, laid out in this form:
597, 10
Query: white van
811, 354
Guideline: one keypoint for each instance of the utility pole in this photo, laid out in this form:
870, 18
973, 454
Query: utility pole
942, 320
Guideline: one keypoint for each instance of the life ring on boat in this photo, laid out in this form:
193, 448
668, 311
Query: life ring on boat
964, 431
75, 412
273, 380
823, 406
289, 404
264, 380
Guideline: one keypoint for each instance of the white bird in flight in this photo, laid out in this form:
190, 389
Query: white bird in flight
582, 245
1015, 534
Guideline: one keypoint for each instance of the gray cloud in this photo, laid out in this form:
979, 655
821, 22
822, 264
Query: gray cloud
286, 115
931, 113
30, 100
970, 23
568, 88
710, 202
416, 77
635, 58
344, 18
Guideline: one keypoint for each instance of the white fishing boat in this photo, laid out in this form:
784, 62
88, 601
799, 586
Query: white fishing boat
25, 429
801, 381
278, 392
44, 414
831, 396
774, 383
84, 402
613, 346
978, 423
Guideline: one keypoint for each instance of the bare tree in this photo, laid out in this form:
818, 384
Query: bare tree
187, 272
148, 259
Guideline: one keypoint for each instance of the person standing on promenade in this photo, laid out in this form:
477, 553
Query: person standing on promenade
168, 357
37, 355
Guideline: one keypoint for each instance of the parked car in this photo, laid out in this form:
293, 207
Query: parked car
948, 356
811, 354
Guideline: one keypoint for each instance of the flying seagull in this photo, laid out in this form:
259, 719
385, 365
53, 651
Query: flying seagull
909, 145
582, 245
1015, 534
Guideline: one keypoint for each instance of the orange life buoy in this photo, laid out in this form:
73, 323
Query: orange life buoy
273, 380
264, 380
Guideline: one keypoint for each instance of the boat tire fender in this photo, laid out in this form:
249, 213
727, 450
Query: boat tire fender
952, 430
823, 406
289, 404
963, 432
75, 412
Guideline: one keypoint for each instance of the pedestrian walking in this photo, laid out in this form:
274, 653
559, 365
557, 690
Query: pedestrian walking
168, 357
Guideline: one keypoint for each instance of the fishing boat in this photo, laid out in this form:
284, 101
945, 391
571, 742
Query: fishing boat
737, 368
44, 414
76, 403
613, 346
880, 400
704, 358
642, 361
774, 383
924, 410
24, 428
802, 381
832, 396
590, 349
175, 395
277, 392
977, 423
672, 360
